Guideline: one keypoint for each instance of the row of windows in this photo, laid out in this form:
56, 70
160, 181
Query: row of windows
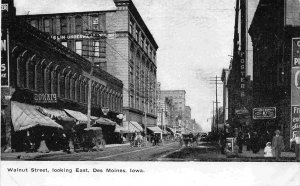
48, 24
45, 78
140, 37
95, 48
138, 102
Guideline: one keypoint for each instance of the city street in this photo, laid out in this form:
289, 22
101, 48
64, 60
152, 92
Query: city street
118, 153
170, 151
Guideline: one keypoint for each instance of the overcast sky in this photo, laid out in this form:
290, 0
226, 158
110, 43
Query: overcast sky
195, 40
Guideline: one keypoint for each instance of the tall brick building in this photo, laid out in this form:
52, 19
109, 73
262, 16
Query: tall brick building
178, 100
117, 41
42, 72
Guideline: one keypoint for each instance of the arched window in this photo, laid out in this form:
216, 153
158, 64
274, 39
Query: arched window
54, 82
67, 86
30, 69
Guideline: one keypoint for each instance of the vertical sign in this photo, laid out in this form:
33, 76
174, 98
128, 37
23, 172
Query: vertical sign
295, 87
4, 46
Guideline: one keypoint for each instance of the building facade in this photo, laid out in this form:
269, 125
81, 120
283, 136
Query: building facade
178, 98
274, 26
43, 72
117, 41
240, 73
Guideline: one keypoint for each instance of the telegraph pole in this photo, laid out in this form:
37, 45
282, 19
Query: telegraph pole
216, 81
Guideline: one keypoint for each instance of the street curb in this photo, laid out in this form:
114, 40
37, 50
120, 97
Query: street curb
31, 156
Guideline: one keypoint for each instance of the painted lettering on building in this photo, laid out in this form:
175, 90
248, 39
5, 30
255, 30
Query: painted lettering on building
45, 98
242, 73
295, 86
4, 47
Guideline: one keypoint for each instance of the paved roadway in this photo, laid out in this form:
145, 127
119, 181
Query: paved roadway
121, 153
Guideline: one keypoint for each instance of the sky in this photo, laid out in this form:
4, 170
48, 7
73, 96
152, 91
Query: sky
195, 40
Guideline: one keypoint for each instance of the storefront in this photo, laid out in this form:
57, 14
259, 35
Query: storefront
56, 80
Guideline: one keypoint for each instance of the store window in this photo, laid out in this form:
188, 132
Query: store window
78, 47
78, 24
63, 25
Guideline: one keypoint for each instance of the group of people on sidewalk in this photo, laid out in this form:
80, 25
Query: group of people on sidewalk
274, 145
275, 148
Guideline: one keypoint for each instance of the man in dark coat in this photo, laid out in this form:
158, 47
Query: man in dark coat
277, 144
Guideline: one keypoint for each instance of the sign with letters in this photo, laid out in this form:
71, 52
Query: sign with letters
264, 113
4, 47
45, 98
295, 87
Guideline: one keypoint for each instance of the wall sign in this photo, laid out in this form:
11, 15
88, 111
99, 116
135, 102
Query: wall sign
295, 87
45, 98
264, 113
4, 46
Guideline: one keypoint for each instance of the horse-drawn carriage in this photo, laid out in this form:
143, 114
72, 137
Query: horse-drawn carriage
190, 139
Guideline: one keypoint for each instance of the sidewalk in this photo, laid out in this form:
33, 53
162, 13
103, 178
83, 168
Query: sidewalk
259, 156
33, 155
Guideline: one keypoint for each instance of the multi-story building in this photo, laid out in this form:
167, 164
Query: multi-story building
178, 98
117, 41
272, 30
187, 113
44, 73
240, 73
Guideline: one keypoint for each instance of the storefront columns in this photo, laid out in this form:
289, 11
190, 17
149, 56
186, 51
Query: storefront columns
7, 119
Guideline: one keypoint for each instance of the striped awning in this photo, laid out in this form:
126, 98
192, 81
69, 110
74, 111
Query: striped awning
80, 117
155, 129
25, 116
131, 128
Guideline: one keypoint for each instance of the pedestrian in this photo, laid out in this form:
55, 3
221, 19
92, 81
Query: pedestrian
255, 143
248, 140
277, 144
296, 140
268, 150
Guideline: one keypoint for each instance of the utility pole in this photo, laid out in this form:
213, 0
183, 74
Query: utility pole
217, 81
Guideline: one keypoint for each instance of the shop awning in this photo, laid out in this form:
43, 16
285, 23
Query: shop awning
137, 125
25, 116
105, 121
52, 112
94, 117
80, 117
121, 129
131, 128
155, 129
171, 130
